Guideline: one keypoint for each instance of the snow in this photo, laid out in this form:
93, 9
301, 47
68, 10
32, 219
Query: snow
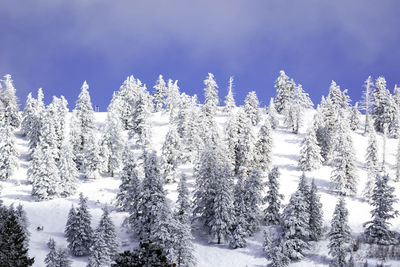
52, 214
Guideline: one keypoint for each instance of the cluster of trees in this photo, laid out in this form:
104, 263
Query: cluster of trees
230, 167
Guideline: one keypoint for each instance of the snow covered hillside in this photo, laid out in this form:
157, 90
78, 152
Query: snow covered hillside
52, 214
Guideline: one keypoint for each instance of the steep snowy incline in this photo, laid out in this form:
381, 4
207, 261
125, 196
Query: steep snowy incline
52, 214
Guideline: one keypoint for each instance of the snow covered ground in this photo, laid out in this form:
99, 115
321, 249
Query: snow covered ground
52, 214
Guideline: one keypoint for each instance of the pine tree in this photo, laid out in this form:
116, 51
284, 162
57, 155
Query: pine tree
398, 163
283, 91
253, 189
184, 246
340, 239
171, 155
98, 251
222, 208
107, 229
316, 215
252, 108
237, 237
138, 123
230, 104
46, 180
322, 131
36, 122
160, 94
51, 257
8, 152
295, 219
273, 199
67, 169
383, 198
354, 117
113, 141
129, 189
84, 125
240, 211
13, 249
173, 99
23, 221
310, 153
78, 230
272, 114
367, 102
211, 98
28, 115
371, 162
263, 147
91, 161
9, 99
343, 177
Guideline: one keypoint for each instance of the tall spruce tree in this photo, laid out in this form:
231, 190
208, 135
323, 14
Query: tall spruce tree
171, 155
273, 199
263, 147
8, 98
367, 102
160, 94
230, 104
340, 240
377, 231
371, 162
253, 189
310, 154
316, 215
272, 114
354, 117
252, 108
8, 152
283, 91
67, 169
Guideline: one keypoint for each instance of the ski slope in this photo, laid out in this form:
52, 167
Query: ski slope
52, 214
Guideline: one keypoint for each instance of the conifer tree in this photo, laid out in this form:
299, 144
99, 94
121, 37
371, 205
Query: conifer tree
129, 189
46, 180
322, 132
316, 215
230, 104
340, 239
173, 99
13, 249
98, 251
237, 237
343, 177
84, 125
211, 98
160, 94
283, 91
222, 208
273, 199
367, 102
252, 108
28, 115
310, 154
138, 123
295, 219
78, 230
171, 155
36, 122
263, 147
272, 114
51, 257
184, 246
279, 256
240, 211
383, 198
8, 152
398, 163
91, 161
9, 99
253, 190
23, 221
67, 169
371, 162
354, 117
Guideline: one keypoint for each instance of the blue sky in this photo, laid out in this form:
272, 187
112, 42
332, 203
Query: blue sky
59, 44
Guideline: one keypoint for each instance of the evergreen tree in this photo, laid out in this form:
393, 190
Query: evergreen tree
106, 229
84, 124
398, 163
354, 117
316, 215
28, 115
8, 152
138, 123
230, 104
237, 237
367, 102
295, 219
51, 257
91, 161
171, 155
35, 120
272, 114
98, 251
46, 181
211, 98
253, 190
322, 131
310, 153
160, 94
240, 211
9, 99
67, 169
173, 99
78, 230
343, 177
263, 147
252, 108
273, 199
222, 207
129, 189
13, 249
340, 239
283, 91
383, 198
184, 246
371, 162
23, 221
